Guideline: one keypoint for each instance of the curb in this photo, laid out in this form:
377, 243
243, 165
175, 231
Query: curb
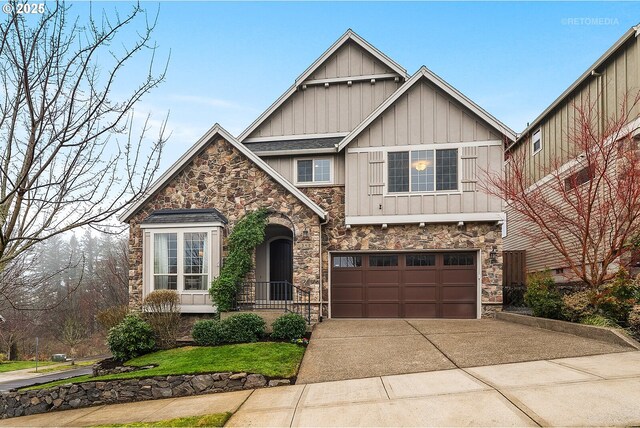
603, 334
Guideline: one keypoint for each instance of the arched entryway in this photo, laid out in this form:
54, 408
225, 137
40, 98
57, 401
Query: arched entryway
274, 264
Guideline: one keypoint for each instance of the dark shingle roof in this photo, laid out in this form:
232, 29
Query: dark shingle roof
201, 215
307, 143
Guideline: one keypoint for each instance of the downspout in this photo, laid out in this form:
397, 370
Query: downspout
320, 224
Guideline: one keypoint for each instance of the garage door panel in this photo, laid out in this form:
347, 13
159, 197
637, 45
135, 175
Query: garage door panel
420, 310
381, 277
348, 310
352, 294
420, 293
345, 277
384, 293
383, 310
459, 293
420, 276
458, 310
434, 285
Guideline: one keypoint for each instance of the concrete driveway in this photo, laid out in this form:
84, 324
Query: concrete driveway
354, 349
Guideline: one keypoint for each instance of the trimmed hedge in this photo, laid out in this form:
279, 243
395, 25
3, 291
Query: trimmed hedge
131, 338
239, 328
289, 327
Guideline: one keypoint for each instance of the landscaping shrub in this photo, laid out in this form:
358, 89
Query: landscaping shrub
615, 299
208, 333
131, 338
634, 321
289, 327
598, 320
162, 312
3, 357
243, 328
542, 297
577, 306
112, 316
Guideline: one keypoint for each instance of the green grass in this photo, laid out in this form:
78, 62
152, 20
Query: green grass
273, 359
9, 366
77, 365
214, 420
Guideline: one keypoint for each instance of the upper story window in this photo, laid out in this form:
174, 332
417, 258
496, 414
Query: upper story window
313, 171
423, 170
180, 260
536, 141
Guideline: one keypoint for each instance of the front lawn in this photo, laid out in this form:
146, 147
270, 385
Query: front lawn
272, 359
9, 366
214, 420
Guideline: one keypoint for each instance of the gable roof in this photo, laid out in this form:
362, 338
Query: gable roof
218, 130
349, 35
631, 32
442, 85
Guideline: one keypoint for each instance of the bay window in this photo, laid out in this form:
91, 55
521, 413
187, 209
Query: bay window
181, 260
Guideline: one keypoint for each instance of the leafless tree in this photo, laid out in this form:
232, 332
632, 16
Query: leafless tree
69, 154
589, 212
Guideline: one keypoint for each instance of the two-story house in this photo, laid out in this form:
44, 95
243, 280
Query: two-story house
371, 178
548, 145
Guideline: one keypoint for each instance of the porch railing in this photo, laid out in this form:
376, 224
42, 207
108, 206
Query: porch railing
278, 295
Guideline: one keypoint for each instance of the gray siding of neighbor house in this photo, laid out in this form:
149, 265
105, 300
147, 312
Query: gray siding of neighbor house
422, 116
620, 75
286, 165
338, 107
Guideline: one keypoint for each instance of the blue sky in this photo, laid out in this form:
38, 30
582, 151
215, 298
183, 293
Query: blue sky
231, 60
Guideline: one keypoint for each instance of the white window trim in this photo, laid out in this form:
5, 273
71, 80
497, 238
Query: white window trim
313, 182
533, 151
385, 191
180, 231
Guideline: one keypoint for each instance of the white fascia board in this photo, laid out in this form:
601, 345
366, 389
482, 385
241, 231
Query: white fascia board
632, 32
348, 35
181, 225
425, 218
199, 145
444, 86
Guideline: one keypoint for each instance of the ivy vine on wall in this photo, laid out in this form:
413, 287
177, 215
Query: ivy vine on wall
245, 237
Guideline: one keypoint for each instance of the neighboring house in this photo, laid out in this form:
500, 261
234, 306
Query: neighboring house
372, 180
610, 80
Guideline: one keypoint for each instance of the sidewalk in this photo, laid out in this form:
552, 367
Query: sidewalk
601, 390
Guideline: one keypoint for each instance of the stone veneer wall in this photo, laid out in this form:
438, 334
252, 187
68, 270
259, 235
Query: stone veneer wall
71, 396
482, 236
223, 178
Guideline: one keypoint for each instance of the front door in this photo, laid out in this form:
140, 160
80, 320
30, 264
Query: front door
280, 269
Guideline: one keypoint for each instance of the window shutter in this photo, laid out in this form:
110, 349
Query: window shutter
376, 173
469, 158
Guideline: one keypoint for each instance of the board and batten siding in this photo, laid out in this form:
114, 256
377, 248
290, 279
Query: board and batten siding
337, 108
423, 117
620, 77
286, 165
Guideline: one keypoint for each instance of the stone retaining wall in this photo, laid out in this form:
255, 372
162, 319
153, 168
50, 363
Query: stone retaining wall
70, 396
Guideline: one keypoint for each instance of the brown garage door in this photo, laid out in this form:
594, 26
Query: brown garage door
420, 285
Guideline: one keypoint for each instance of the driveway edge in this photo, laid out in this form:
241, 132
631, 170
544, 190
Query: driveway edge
603, 334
